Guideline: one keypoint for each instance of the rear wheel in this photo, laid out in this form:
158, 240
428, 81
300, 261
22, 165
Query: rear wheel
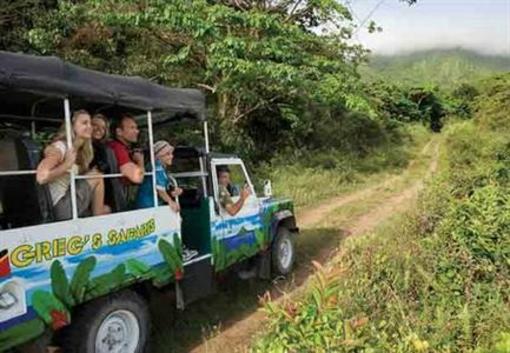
283, 252
118, 323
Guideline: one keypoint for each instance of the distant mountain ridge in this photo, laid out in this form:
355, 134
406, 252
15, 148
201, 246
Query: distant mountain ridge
443, 67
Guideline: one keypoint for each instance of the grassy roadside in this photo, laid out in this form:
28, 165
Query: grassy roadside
311, 185
322, 318
344, 217
435, 280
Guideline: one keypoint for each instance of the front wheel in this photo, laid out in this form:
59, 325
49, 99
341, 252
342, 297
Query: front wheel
118, 323
283, 252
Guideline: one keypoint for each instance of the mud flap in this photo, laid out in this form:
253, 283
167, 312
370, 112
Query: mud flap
198, 281
264, 265
179, 297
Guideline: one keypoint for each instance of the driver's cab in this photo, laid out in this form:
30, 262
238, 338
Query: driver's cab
238, 179
237, 233
206, 224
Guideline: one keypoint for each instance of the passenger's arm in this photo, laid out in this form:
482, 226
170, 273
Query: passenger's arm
54, 164
133, 172
234, 208
165, 197
176, 192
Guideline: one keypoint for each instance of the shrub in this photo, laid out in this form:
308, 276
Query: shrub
493, 105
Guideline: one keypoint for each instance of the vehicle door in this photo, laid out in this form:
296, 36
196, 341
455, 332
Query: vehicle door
238, 236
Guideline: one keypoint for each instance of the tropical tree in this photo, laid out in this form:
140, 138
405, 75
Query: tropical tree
264, 64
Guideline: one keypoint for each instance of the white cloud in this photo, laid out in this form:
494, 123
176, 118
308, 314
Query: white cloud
479, 25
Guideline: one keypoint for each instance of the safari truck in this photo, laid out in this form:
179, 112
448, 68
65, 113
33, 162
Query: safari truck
84, 283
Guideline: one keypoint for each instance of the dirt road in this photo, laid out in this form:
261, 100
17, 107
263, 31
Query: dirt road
238, 332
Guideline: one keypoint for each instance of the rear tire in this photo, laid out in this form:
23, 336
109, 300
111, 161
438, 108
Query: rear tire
283, 252
118, 323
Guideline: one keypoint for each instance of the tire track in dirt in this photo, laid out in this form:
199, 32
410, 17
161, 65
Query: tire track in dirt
395, 204
309, 216
237, 336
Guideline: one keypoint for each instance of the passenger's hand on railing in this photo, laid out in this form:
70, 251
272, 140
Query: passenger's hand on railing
138, 157
70, 158
177, 192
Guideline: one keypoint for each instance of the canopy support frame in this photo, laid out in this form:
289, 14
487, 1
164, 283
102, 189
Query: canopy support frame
206, 136
152, 158
69, 138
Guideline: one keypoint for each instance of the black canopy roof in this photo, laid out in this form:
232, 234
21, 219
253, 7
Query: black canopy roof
51, 76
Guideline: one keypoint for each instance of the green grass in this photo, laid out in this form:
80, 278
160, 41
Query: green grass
329, 316
308, 186
434, 280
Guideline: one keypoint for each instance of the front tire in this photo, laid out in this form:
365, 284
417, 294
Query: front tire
283, 252
118, 323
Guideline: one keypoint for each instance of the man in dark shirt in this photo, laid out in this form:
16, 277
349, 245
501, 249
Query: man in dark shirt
130, 165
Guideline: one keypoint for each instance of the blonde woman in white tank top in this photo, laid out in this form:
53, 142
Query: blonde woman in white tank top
58, 161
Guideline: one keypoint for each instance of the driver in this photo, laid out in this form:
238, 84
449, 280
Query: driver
225, 196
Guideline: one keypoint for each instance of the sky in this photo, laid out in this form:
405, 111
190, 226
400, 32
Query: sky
482, 25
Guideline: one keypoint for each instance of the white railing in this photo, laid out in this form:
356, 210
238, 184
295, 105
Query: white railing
105, 176
197, 174
18, 172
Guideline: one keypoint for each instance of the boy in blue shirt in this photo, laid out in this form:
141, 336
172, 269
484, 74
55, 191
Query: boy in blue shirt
163, 152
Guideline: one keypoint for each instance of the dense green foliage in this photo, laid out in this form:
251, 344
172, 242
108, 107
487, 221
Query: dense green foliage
309, 178
274, 82
438, 283
431, 85
446, 68
492, 107
401, 103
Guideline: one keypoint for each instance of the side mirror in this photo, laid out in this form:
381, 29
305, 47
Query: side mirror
268, 190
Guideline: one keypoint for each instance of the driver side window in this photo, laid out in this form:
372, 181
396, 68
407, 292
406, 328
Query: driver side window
231, 177
232, 180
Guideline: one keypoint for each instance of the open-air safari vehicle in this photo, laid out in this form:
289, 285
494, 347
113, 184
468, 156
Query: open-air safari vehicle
83, 282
